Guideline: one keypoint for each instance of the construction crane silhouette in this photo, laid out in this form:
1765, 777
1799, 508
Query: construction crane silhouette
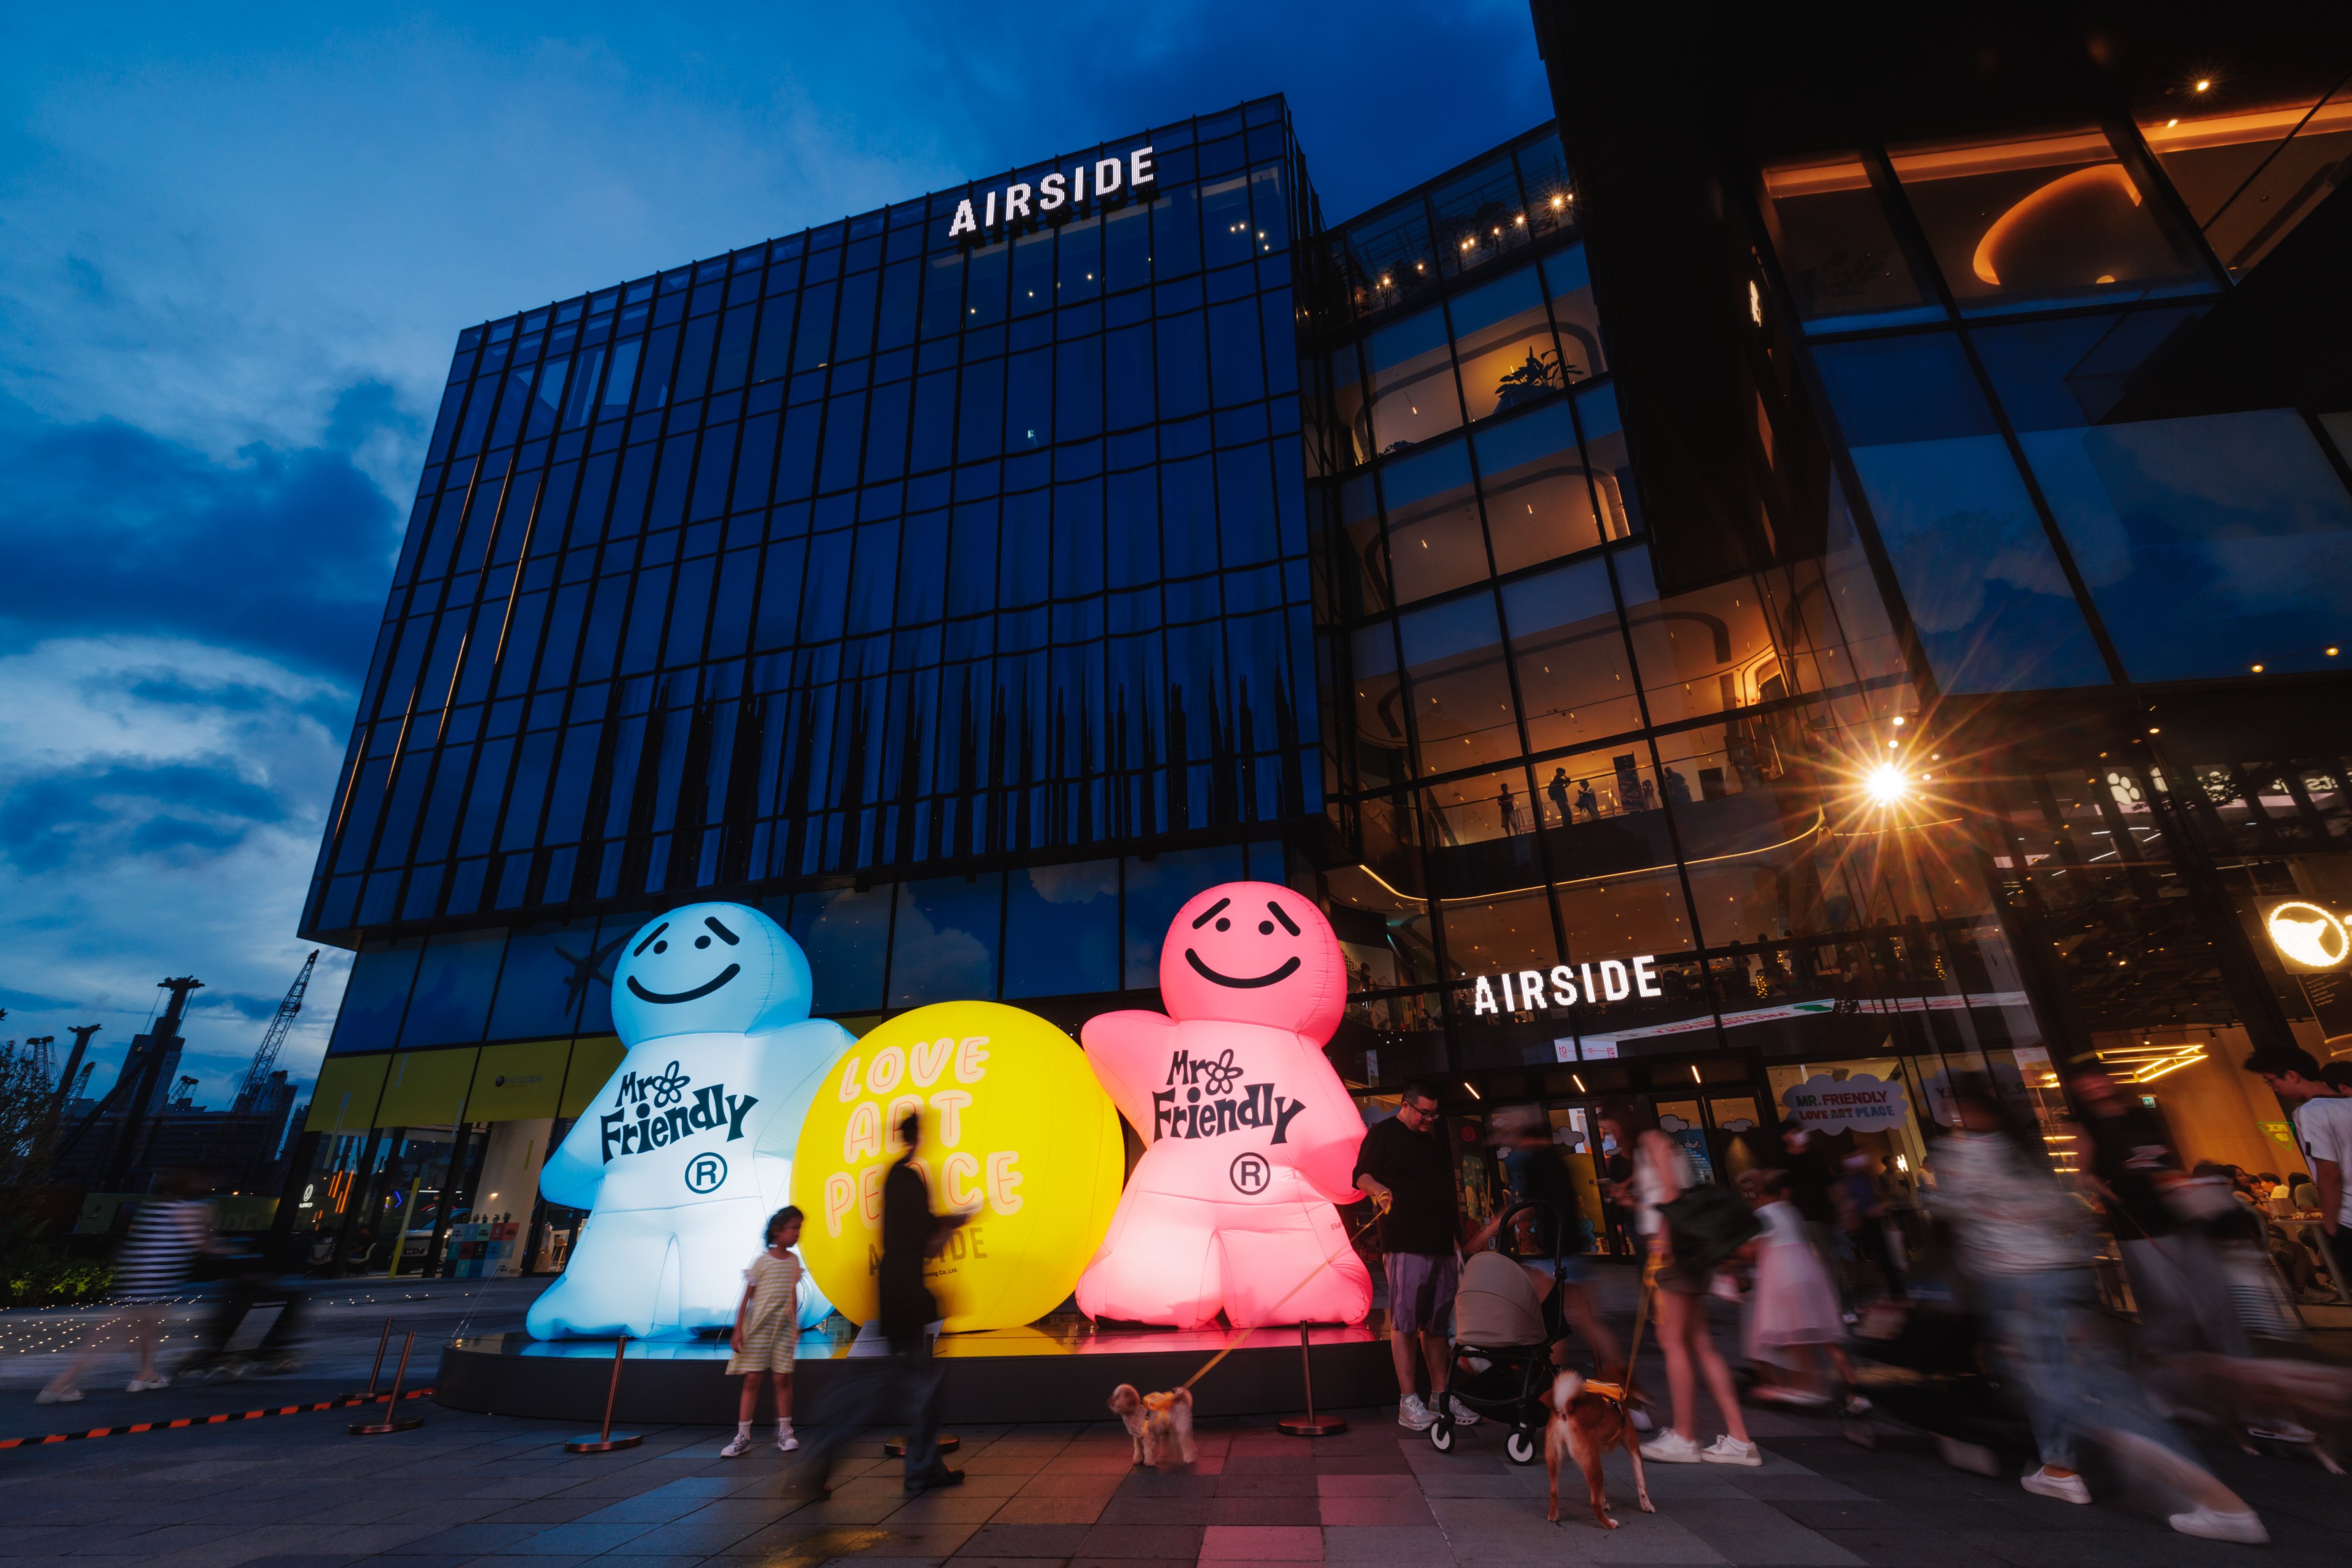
265, 1059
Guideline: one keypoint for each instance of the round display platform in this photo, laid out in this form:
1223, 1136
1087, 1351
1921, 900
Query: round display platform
1058, 1369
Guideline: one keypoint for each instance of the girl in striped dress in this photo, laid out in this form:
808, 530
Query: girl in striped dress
167, 1234
767, 1331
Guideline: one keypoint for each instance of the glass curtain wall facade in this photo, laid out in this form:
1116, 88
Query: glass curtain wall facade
1596, 820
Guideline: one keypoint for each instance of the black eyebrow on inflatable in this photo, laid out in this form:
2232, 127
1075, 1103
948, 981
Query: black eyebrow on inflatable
1285, 919
649, 938
1210, 913
729, 937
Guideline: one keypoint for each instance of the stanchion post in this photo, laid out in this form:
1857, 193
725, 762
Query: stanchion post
605, 1442
393, 1421
1309, 1425
375, 1373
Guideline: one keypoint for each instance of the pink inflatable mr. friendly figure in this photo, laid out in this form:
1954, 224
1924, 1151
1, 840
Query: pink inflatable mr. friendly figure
1250, 1138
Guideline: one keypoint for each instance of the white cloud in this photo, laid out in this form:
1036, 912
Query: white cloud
160, 802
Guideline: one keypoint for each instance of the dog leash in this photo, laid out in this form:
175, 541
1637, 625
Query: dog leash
1234, 1340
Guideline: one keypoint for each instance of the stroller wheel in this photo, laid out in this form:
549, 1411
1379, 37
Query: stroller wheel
1519, 1446
1441, 1435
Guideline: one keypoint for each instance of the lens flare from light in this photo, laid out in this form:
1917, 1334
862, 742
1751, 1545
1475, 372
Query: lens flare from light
1886, 784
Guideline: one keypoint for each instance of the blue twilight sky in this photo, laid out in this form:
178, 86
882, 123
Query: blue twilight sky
236, 245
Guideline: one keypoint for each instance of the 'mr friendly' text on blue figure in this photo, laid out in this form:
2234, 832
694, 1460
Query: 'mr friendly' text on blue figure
683, 1154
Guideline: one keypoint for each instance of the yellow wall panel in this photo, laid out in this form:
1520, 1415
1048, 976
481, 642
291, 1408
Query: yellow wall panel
343, 1101
594, 1059
519, 1082
428, 1088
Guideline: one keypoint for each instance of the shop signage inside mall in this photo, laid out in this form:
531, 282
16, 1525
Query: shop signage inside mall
1863, 1101
2307, 938
1022, 202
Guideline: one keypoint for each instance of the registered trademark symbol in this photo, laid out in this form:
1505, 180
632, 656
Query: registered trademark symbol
1251, 1173
704, 1172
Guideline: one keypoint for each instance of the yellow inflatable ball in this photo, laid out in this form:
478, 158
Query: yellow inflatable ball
1014, 1129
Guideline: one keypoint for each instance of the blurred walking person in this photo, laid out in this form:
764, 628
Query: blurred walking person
1552, 1243
2025, 1241
1792, 1318
157, 1256
1662, 1172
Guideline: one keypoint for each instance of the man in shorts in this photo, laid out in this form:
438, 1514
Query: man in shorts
1403, 1166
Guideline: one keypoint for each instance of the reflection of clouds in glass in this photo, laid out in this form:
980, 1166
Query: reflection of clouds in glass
1673, 1124
1077, 884
942, 963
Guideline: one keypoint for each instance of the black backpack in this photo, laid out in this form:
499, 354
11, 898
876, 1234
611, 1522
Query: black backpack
1707, 1224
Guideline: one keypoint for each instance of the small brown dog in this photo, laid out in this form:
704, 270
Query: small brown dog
1161, 1424
1588, 1419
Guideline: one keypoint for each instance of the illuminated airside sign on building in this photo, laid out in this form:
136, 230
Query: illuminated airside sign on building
1533, 990
1021, 202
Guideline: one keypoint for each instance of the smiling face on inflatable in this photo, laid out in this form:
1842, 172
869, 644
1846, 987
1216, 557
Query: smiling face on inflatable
1255, 952
708, 969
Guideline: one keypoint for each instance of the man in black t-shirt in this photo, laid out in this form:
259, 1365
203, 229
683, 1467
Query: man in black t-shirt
908, 1382
1403, 1167
2177, 1280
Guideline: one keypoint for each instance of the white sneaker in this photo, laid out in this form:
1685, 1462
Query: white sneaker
57, 1397
1671, 1448
1729, 1450
2242, 1528
1463, 1414
142, 1384
786, 1442
1414, 1416
2065, 1489
738, 1447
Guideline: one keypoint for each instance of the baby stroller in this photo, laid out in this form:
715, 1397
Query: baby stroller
1500, 1354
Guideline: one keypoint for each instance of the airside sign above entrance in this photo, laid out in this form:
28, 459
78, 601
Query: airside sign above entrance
1021, 202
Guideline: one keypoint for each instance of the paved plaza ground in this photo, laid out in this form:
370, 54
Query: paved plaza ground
297, 1492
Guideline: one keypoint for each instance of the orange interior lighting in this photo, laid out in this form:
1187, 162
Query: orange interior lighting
2065, 185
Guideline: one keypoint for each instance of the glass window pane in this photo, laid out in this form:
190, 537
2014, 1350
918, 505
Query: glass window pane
1413, 383
1490, 935
1551, 195
1502, 337
1837, 249
1612, 467
1578, 319
376, 995
1701, 652
1391, 260
1992, 606
2251, 174
2234, 524
1435, 540
943, 945
451, 1004
845, 933
1479, 217
1380, 698
1061, 929
1156, 889
1539, 505
549, 971
1461, 693
1573, 677
1623, 916
2051, 219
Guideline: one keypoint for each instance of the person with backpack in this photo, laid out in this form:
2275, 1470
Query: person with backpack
1687, 1229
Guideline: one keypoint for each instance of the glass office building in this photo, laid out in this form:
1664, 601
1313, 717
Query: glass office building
1857, 625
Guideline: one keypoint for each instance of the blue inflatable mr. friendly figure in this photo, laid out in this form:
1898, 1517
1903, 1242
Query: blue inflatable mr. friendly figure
685, 1152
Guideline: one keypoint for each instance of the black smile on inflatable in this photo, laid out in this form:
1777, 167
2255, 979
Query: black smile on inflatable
1288, 967
732, 969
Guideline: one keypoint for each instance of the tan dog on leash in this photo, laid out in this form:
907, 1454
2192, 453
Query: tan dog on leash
1161, 1424
1588, 1419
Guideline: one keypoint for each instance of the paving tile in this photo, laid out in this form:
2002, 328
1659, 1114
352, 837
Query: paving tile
1757, 1532
1422, 1543
1002, 1538
1252, 1481
1396, 1508
1262, 1543
1141, 1540
1287, 1511
1050, 1511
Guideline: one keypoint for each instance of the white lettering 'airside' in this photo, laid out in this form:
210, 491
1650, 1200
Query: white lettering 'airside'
1532, 990
1108, 177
